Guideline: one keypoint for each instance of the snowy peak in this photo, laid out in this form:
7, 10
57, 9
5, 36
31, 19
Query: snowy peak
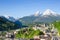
46, 13
49, 12
6, 16
37, 13
9, 18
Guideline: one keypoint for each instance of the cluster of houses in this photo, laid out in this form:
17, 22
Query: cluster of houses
50, 33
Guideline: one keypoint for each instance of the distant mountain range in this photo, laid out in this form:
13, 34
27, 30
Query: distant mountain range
46, 17
9, 23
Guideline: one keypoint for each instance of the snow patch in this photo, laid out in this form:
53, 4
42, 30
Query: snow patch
49, 12
37, 13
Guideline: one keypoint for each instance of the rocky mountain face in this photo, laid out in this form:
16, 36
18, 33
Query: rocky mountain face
45, 17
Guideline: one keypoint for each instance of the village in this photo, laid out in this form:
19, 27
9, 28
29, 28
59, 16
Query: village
50, 33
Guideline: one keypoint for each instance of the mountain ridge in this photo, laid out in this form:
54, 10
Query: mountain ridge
45, 17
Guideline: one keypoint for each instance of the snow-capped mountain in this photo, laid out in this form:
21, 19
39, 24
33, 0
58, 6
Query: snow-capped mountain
47, 16
6, 18
10, 18
9, 23
49, 12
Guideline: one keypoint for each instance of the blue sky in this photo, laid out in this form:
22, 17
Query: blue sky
20, 8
